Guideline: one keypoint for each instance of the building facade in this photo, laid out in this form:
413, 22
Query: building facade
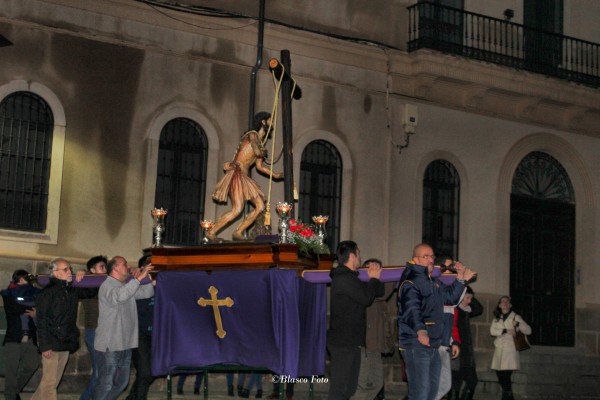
469, 125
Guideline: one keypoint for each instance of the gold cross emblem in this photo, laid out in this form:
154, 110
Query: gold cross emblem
216, 303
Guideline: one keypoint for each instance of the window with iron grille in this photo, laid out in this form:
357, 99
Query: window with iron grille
441, 199
321, 187
26, 126
181, 180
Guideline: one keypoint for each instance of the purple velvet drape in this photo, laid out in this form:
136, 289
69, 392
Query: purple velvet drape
277, 322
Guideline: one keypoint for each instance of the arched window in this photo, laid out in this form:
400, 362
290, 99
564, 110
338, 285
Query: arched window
441, 199
26, 126
541, 176
321, 187
181, 179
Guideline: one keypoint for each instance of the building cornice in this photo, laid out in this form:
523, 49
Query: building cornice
425, 75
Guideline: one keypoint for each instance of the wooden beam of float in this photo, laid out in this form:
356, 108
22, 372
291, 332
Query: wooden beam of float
233, 256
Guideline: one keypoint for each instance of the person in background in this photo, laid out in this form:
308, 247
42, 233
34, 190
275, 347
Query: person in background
20, 351
22, 291
254, 380
95, 265
240, 385
506, 357
197, 382
449, 347
142, 355
289, 388
370, 377
58, 334
463, 369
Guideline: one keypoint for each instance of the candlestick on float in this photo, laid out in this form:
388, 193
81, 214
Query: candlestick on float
283, 209
320, 221
158, 225
206, 227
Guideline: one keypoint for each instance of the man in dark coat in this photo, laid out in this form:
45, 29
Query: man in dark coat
420, 312
350, 298
58, 334
22, 358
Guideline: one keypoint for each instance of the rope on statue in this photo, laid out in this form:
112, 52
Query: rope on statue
272, 127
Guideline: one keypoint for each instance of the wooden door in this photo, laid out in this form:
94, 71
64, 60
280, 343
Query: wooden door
542, 244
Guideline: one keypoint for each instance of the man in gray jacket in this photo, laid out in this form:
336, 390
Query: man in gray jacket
117, 331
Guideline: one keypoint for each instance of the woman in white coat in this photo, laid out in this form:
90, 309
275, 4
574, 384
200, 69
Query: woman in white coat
506, 358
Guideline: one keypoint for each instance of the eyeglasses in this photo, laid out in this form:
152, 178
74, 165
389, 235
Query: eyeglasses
64, 269
428, 256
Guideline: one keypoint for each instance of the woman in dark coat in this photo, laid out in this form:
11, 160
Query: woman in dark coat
464, 367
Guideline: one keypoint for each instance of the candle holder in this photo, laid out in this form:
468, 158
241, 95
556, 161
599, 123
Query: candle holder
158, 225
283, 209
206, 226
320, 221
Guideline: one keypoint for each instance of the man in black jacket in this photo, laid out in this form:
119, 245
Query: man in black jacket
58, 334
350, 298
22, 358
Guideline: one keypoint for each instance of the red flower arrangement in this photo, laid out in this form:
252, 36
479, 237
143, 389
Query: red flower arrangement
306, 239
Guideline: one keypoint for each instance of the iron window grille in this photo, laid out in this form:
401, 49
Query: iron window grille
181, 180
26, 127
321, 187
541, 176
441, 199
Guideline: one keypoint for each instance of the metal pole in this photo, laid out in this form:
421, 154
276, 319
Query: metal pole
257, 65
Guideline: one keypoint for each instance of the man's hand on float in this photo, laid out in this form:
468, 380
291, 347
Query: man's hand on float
464, 272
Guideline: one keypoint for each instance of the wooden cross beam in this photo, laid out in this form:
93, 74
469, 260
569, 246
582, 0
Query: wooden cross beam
288, 84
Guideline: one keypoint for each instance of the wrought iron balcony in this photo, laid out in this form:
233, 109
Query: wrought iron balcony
480, 37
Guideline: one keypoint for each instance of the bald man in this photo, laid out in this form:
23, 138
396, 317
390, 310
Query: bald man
421, 302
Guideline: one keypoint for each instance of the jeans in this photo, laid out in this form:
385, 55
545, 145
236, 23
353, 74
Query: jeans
90, 334
113, 374
197, 382
241, 379
22, 360
423, 371
255, 380
142, 358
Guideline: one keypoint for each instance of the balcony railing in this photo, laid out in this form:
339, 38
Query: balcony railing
477, 36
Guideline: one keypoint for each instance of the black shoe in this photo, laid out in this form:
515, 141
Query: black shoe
467, 394
230, 390
196, 390
244, 393
507, 396
179, 390
259, 393
239, 390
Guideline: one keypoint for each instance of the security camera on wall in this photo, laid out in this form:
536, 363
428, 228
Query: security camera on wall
410, 118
